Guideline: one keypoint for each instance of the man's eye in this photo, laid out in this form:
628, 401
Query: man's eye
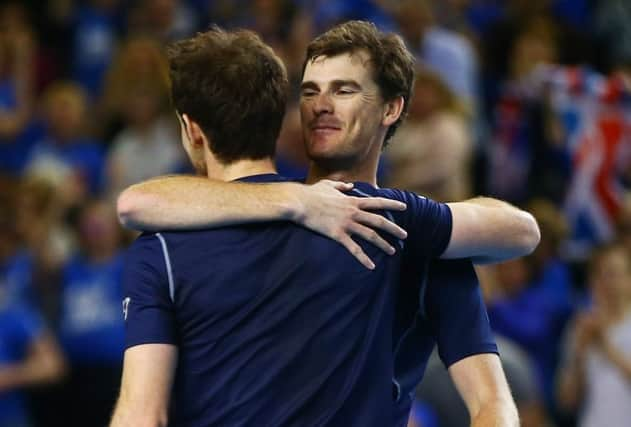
308, 93
345, 91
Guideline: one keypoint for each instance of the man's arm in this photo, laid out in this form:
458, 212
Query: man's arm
482, 384
187, 202
43, 364
148, 372
489, 230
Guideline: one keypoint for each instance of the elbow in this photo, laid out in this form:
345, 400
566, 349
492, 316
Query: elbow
530, 235
125, 208
128, 206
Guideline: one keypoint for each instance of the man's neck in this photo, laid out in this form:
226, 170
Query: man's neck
365, 171
240, 169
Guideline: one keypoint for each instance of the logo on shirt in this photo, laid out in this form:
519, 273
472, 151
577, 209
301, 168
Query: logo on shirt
126, 307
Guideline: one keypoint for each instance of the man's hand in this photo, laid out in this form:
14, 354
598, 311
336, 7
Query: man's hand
326, 210
188, 202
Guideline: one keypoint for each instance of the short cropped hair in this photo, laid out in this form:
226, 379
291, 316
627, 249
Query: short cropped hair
392, 63
234, 86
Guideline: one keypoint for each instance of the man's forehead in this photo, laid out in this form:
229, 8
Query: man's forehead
348, 65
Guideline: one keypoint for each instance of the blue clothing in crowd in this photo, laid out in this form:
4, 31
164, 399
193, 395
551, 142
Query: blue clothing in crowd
535, 319
19, 328
91, 329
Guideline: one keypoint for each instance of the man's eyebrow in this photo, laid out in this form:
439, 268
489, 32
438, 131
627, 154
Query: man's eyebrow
334, 83
308, 85
346, 82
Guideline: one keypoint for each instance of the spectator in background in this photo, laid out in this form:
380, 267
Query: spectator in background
517, 136
17, 46
14, 272
432, 150
73, 162
148, 130
29, 355
551, 272
95, 27
139, 62
17, 62
595, 379
162, 20
91, 328
47, 244
446, 52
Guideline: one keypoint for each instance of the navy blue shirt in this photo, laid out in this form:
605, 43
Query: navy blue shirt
447, 311
275, 324
438, 302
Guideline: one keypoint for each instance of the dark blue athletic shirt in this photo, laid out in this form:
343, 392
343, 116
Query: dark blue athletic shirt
275, 324
438, 303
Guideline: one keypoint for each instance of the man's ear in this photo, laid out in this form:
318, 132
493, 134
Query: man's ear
393, 110
193, 132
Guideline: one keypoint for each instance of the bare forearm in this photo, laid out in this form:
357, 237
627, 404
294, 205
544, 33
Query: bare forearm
490, 230
123, 417
496, 414
186, 202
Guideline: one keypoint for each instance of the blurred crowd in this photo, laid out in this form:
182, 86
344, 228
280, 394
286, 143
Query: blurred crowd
526, 100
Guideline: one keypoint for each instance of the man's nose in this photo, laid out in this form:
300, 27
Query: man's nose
323, 104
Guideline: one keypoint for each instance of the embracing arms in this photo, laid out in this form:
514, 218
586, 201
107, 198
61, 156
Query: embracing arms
484, 229
189, 202
489, 230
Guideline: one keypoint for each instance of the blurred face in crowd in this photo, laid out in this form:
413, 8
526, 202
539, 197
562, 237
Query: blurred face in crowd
529, 51
426, 99
611, 277
98, 229
161, 12
513, 276
142, 107
341, 109
65, 111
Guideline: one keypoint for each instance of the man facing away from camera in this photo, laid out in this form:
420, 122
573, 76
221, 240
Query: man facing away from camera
356, 84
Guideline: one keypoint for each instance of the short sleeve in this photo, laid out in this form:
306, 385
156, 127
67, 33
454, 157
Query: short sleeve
147, 306
428, 224
456, 311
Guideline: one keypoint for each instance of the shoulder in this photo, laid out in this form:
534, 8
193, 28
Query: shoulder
363, 189
146, 246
